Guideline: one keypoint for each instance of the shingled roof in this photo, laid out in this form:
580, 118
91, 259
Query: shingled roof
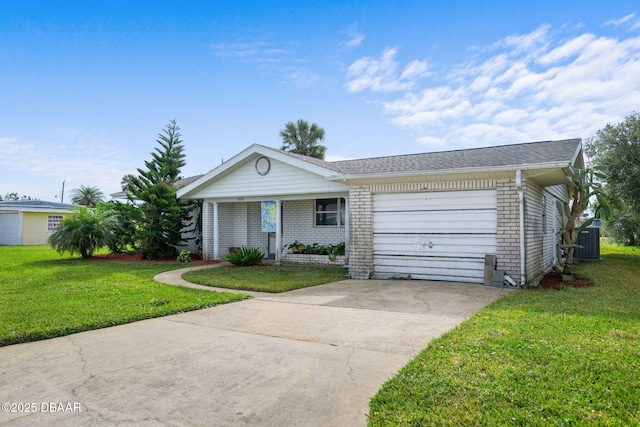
546, 162
562, 151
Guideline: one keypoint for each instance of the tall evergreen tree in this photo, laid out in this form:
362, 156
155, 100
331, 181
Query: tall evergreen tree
302, 138
162, 219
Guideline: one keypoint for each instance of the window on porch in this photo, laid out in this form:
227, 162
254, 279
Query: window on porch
329, 212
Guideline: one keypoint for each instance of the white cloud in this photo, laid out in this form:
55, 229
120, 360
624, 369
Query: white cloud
355, 40
273, 58
301, 77
548, 84
567, 50
415, 69
39, 166
432, 142
384, 74
257, 51
623, 20
631, 22
528, 44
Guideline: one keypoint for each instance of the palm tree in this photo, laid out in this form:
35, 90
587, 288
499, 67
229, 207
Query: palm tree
303, 138
87, 196
85, 231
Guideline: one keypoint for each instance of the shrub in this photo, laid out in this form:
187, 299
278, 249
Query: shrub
185, 256
128, 216
85, 231
245, 256
316, 249
296, 247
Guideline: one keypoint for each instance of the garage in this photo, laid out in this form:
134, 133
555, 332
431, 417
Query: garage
434, 235
9, 228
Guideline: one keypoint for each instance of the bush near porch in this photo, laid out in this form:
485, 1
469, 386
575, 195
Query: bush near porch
535, 357
315, 254
316, 249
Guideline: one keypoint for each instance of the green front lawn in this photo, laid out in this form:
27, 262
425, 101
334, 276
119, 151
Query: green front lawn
271, 278
541, 358
44, 295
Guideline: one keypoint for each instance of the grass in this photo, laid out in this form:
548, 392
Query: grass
274, 278
539, 358
44, 295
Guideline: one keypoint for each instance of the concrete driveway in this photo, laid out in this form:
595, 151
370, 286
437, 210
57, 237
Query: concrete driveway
311, 357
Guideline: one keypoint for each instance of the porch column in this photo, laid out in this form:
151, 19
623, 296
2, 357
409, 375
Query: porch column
278, 231
207, 232
346, 229
216, 234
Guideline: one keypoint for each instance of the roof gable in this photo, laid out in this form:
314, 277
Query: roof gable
243, 163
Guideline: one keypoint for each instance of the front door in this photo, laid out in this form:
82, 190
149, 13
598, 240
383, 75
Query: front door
271, 245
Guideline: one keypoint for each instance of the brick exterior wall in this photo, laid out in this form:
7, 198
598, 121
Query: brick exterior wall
361, 230
308, 259
508, 231
239, 225
298, 224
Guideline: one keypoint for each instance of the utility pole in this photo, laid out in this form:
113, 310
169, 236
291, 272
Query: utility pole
62, 194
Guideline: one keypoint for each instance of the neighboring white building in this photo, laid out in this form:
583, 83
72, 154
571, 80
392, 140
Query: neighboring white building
431, 216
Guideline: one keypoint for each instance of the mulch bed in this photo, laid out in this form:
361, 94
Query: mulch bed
553, 280
195, 259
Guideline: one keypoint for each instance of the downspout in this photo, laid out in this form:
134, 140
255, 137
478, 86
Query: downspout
521, 210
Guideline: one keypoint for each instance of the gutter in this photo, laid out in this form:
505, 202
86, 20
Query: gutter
520, 190
505, 168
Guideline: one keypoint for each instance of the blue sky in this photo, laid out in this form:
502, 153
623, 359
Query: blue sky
86, 86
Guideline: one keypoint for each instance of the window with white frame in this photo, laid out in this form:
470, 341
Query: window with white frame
329, 212
53, 221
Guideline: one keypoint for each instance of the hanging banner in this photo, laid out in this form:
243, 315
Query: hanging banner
268, 216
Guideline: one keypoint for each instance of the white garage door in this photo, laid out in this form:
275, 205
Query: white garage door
9, 228
434, 236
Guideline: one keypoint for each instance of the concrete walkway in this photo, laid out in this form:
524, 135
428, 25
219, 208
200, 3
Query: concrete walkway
174, 277
310, 357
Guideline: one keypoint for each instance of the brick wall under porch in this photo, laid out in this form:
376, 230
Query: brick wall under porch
310, 259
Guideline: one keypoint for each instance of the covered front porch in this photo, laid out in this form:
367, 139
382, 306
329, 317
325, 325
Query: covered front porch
271, 225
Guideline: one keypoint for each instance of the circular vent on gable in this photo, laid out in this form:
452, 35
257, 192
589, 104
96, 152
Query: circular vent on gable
263, 165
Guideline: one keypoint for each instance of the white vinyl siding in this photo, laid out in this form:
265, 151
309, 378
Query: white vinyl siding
282, 180
434, 235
